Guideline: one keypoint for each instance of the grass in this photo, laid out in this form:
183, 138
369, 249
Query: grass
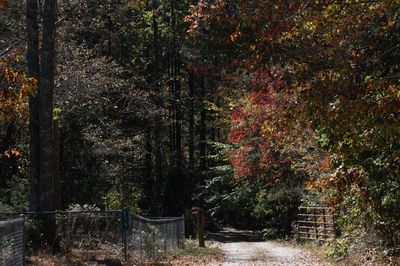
190, 255
192, 249
368, 255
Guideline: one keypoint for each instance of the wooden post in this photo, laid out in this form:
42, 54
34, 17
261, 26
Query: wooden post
188, 223
335, 233
315, 224
324, 222
200, 227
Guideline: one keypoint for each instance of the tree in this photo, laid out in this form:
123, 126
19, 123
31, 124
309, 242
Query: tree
41, 111
32, 55
157, 89
46, 87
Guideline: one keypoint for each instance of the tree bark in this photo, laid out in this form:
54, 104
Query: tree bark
148, 166
157, 120
46, 88
171, 75
56, 165
203, 126
178, 127
191, 120
176, 95
32, 55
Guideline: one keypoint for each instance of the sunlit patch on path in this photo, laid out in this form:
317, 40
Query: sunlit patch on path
247, 248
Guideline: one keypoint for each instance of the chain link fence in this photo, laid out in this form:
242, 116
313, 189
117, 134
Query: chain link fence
12, 250
151, 236
117, 233
85, 230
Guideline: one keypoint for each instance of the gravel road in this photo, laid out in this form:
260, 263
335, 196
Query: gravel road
247, 248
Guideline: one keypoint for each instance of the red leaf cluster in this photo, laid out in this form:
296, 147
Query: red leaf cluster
260, 108
11, 153
238, 115
268, 79
4, 4
236, 136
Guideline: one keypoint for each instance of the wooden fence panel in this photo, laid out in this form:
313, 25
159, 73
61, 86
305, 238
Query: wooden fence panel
316, 223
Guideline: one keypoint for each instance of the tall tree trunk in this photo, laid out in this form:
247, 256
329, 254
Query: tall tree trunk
148, 164
173, 195
171, 75
32, 55
56, 164
148, 157
203, 125
46, 87
191, 120
178, 116
176, 95
157, 120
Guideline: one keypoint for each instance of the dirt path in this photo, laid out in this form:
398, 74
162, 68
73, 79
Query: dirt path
247, 248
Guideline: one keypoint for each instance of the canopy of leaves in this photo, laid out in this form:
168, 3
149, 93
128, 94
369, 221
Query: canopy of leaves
340, 63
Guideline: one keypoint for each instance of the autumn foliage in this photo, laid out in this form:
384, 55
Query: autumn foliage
255, 123
328, 68
3, 4
14, 91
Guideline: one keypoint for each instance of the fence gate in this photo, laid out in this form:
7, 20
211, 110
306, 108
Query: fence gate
316, 223
150, 236
12, 250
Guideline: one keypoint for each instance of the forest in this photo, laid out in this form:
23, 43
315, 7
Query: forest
243, 111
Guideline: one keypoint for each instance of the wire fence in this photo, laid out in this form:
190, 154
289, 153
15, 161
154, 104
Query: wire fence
12, 250
150, 236
87, 230
117, 233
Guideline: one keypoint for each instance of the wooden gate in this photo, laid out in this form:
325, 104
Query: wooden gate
316, 223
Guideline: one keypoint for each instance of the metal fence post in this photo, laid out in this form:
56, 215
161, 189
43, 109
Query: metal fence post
182, 235
23, 240
125, 228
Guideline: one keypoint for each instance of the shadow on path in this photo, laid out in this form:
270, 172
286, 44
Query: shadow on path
229, 235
